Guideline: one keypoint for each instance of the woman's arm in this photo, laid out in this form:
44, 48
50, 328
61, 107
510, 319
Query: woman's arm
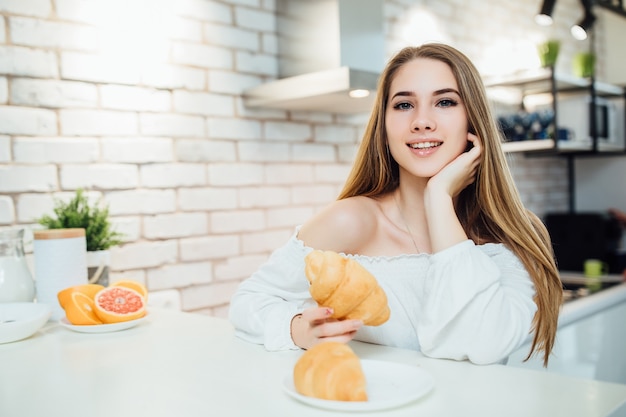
274, 307
477, 304
444, 227
264, 304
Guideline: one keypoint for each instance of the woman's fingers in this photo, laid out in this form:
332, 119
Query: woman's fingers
316, 325
317, 314
336, 328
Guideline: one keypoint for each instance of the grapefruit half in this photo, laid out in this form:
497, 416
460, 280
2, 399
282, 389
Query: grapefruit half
115, 304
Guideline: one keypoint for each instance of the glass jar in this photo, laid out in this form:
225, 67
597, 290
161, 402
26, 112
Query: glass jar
16, 281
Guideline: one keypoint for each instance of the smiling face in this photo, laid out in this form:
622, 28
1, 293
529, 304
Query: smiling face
426, 122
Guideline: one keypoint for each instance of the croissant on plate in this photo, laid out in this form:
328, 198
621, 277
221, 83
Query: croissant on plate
348, 288
330, 371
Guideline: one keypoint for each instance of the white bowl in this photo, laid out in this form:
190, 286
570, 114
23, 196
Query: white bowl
24, 319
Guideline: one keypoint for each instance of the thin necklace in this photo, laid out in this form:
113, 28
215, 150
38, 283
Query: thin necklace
408, 229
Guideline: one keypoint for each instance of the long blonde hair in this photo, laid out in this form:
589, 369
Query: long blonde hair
490, 209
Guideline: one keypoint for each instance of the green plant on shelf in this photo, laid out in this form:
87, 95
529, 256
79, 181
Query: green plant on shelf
548, 52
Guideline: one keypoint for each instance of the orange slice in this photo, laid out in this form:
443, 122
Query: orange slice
90, 290
117, 303
133, 285
80, 309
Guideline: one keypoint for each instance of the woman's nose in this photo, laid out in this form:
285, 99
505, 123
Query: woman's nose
422, 122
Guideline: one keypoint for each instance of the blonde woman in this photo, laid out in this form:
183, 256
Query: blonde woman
431, 210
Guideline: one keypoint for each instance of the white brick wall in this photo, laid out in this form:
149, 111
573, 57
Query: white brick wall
20, 178
172, 175
101, 176
41, 8
169, 226
33, 206
7, 210
4, 90
46, 34
209, 247
141, 202
98, 69
5, 149
42, 149
27, 121
172, 125
137, 149
202, 187
207, 199
17, 60
53, 93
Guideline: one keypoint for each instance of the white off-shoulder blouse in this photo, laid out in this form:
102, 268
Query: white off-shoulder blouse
469, 301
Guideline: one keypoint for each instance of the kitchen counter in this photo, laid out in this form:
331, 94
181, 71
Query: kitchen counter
580, 308
183, 364
590, 340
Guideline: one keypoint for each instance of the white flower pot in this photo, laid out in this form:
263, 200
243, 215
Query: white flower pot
98, 266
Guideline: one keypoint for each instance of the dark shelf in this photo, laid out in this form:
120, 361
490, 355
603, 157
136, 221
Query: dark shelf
546, 81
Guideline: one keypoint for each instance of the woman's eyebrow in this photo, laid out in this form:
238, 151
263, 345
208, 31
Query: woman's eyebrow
435, 93
403, 94
446, 91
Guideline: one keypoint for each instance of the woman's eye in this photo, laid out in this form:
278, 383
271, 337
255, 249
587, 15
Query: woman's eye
446, 102
402, 106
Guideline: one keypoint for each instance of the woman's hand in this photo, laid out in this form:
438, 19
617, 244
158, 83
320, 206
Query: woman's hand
315, 325
459, 173
444, 227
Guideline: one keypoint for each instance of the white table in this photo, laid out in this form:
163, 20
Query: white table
188, 365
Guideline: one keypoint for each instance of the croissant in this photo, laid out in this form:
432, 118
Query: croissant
330, 371
347, 287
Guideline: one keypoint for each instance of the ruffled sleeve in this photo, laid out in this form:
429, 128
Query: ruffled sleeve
264, 304
477, 304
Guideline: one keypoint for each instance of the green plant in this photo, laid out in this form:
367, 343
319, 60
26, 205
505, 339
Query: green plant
584, 64
548, 52
77, 213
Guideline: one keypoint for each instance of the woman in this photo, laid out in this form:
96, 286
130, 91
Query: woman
431, 210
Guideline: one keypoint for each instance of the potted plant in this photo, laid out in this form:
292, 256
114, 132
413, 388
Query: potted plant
548, 52
584, 64
100, 237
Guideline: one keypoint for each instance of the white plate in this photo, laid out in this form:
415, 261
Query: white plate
101, 328
21, 320
389, 385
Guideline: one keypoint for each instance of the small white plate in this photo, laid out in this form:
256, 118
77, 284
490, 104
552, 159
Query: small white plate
21, 320
389, 385
101, 328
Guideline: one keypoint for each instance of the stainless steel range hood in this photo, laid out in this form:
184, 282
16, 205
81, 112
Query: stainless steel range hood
328, 49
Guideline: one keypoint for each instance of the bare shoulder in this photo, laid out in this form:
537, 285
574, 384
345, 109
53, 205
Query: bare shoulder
342, 226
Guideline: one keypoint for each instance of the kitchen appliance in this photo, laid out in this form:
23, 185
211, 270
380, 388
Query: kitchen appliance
575, 112
330, 55
580, 236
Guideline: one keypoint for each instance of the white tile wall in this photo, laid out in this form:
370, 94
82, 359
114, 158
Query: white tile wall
203, 188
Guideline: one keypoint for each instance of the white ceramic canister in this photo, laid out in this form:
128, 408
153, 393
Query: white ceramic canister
60, 262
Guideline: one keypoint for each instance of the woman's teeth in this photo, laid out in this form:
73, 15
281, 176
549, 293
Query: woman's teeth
424, 145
